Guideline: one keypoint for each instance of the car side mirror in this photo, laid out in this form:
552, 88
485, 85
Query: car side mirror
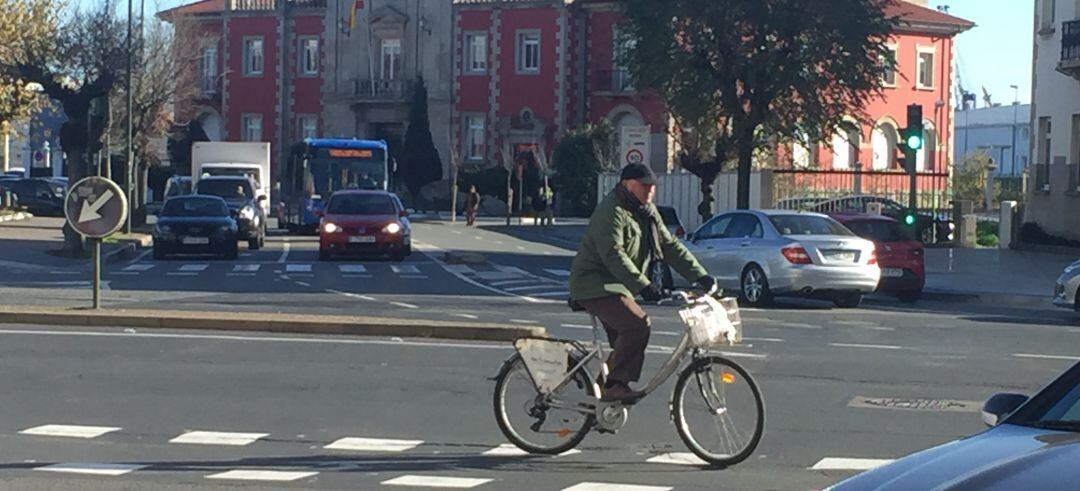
403, 213
999, 406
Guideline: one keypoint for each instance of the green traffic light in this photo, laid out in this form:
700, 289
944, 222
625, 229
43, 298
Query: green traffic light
909, 219
914, 142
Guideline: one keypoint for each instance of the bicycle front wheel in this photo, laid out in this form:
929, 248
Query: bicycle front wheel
718, 411
530, 421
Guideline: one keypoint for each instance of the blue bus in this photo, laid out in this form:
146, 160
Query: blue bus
317, 167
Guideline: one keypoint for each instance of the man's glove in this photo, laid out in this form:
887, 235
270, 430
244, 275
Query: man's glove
652, 293
707, 283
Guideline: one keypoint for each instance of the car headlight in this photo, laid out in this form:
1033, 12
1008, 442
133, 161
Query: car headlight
392, 228
331, 228
247, 213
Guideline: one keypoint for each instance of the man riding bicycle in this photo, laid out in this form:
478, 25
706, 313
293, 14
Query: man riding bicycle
626, 237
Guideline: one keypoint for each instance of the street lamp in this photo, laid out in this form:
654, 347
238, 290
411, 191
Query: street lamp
1016, 108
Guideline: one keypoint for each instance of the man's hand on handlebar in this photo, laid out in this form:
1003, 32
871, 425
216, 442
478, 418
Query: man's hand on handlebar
652, 293
707, 283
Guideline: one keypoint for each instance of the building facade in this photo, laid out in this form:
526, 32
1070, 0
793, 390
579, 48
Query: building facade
1003, 133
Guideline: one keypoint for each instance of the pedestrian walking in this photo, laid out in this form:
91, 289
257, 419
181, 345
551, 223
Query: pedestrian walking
471, 204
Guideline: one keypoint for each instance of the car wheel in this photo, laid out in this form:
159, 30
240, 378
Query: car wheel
158, 253
254, 244
848, 300
909, 296
755, 287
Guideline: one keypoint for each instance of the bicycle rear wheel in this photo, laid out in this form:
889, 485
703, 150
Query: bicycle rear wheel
526, 418
718, 411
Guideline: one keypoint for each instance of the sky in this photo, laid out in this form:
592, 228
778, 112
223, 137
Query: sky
995, 54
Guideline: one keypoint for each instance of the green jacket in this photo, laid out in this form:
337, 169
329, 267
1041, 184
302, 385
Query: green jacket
611, 259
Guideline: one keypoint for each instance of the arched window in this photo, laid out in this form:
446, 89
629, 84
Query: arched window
925, 157
845, 148
884, 141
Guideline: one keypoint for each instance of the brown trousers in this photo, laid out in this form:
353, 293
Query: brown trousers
628, 329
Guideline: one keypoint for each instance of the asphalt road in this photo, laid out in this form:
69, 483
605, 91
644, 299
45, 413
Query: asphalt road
831, 378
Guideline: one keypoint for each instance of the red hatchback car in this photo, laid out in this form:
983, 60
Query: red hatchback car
899, 254
364, 223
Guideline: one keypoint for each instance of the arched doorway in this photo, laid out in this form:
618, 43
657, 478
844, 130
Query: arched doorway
884, 141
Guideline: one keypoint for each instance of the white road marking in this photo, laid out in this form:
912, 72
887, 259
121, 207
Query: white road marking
303, 283
246, 268
575, 326
174, 273
91, 468
69, 431
559, 272
600, 486
511, 269
253, 475
523, 321
471, 281
437, 482
466, 316
218, 438
766, 340
845, 464
352, 268
677, 458
865, 346
404, 305
404, 269
509, 450
142, 256
527, 288
297, 268
1046, 357
194, 268
284, 251
459, 268
139, 267
512, 282
552, 294
374, 444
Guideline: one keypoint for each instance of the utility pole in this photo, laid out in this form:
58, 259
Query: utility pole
1016, 109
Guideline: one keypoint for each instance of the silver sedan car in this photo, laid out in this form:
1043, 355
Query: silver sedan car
1065, 289
770, 253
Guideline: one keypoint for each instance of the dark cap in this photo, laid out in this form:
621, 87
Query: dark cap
638, 172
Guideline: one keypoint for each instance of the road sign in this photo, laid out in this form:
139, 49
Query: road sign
634, 145
95, 207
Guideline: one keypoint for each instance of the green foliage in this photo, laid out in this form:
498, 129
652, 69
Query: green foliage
578, 159
969, 178
986, 233
420, 163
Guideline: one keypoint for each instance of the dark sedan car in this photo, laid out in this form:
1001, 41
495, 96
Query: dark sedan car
38, 195
239, 193
195, 224
1033, 444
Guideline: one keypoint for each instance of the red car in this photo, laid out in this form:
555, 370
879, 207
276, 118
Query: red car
899, 254
364, 223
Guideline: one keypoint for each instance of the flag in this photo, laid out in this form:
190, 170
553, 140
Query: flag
358, 5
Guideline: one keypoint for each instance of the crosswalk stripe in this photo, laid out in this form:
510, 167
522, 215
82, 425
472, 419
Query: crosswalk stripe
459, 268
297, 268
194, 268
139, 267
218, 438
559, 272
373, 444
600, 486
92, 469
511, 269
246, 268
437, 482
509, 450
352, 268
677, 458
253, 475
848, 464
404, 269
70, 431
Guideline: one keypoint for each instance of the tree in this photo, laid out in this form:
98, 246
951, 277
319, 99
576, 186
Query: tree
420, 162
737, 73
578, 159
969, 178
76, 66
33, 22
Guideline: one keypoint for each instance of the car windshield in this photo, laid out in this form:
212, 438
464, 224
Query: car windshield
252, 174
1056, 407
194, 207
225, 188
881, 231
178, 188
807, 225
361, 204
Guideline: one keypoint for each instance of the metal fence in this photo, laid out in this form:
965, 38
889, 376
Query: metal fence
798, 188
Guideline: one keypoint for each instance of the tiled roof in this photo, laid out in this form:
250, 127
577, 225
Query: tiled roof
912, 14
200, 7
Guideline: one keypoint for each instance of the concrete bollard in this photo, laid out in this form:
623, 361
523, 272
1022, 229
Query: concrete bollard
968, 231
1006, 224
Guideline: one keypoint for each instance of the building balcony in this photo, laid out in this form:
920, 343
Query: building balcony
1070, 49
382, 90
615, 82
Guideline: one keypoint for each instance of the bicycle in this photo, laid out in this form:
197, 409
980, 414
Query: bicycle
562, 397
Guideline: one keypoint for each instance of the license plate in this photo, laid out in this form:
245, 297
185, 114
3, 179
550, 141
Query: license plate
195, 240
362, 239
892, 272
840, 256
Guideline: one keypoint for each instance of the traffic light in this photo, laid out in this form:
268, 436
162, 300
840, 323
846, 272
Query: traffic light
909, 218
913, 133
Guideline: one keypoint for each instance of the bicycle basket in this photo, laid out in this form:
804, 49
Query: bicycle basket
711, 322
546, 361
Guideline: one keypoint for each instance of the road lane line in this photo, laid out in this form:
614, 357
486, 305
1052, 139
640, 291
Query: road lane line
297, 268
218, 438
552, 294
93, 469
253, 475
359, 444
404, 269
466, 316
524, 321
767, 340
601, 486
194, 268
511, 269
284, 251
352, 268
575, 326
677, 458
69, 431
559, 272
527, 288
303, 283
437, 482
139, 267
866, 346
404, 305
1046, 357
846, 464
246, 268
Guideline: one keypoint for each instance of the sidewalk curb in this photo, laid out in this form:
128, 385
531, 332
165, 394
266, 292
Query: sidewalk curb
991, 299
287, 323
127, 249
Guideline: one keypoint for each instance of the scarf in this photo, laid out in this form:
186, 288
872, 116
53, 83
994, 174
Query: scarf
642, 212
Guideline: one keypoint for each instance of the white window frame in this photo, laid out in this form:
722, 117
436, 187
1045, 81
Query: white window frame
309, 56
476, 52
895, 48
526, 40
208, 71
919, 65
251, 127
307, 126
1047, 16
475, 126
393, 49
254, 59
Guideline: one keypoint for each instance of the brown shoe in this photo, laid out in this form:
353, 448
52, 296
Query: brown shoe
621, 393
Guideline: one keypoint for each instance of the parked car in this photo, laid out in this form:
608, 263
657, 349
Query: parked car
1066, 287
1032, 444
929, 229
359, 222
195, 224
239, 194
772, 253
38, 195
900, 256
